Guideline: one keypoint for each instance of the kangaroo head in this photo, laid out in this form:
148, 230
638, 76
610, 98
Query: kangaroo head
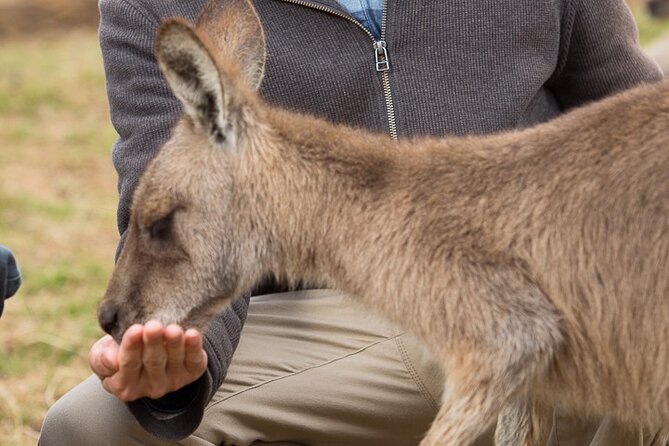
188, 237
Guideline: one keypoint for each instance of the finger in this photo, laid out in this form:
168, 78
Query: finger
102, 357
174, 343
154, 359
112, 385
124, 383
108, 359
124, 393
130, 355
196, 357
154, 355
107, 385
109, 356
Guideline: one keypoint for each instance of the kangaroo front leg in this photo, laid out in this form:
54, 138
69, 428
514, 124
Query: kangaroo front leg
468, 409
472, 403
502, 333
524, 423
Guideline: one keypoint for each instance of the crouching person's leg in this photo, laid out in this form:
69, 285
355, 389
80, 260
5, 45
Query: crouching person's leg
89, 415
314, 369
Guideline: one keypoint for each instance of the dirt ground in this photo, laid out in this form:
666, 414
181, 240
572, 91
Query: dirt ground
36, 17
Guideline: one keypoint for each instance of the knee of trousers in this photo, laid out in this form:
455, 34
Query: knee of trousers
88, 415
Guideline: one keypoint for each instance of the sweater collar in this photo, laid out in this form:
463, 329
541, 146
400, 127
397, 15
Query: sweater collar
331, 4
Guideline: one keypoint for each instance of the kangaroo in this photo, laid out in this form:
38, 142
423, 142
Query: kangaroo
532, 263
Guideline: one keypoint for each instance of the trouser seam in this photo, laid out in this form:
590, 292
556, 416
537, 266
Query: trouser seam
415, 376
306, 369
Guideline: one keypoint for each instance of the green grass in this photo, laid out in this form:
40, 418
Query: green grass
649, 29
25, 202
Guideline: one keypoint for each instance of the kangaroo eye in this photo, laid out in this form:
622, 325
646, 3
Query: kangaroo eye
161, 228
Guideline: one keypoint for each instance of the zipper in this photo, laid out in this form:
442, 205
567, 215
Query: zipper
382, 52
381, 60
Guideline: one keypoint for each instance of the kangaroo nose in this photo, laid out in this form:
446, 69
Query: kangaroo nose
108, 317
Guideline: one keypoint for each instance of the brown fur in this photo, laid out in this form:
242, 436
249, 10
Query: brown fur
532, 262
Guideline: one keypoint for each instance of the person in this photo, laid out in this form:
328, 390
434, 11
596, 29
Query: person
10, 276
309, 367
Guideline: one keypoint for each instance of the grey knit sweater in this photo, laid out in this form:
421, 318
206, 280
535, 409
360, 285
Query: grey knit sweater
447, 67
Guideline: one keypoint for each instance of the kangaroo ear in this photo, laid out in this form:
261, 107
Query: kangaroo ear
191, 72
234, 28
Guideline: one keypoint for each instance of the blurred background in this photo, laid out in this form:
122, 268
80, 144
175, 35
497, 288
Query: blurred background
57, 200
58, 196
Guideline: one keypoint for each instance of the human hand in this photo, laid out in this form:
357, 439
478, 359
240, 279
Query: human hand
151, 360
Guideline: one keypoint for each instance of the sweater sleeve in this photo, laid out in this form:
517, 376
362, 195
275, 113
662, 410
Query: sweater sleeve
600, 53
10, 276
143, 111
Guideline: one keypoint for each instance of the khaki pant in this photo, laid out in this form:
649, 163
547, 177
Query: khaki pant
311, 369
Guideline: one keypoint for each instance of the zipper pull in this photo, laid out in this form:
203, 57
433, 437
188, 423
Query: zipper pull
381, 56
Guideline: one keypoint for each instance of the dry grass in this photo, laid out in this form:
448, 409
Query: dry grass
57, 204
29, 17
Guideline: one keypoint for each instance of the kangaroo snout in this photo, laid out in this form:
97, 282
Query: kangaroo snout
108, 317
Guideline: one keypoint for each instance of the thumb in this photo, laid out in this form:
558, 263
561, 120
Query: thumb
108, 360
103, 357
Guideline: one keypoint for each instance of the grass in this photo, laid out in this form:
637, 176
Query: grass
57, 213
57, 204
649, 29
